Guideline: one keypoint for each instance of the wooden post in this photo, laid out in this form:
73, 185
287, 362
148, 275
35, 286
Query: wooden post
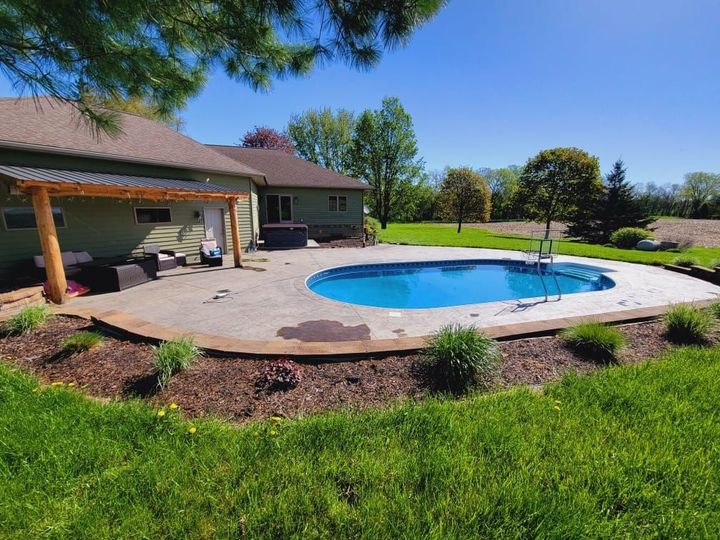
57, 283
237, 248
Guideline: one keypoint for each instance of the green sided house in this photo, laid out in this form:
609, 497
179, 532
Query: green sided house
301, 192
63, 189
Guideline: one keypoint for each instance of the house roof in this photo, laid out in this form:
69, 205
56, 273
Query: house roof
286, 170
61, 182
49, 125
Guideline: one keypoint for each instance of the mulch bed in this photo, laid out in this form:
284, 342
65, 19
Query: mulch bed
226, 387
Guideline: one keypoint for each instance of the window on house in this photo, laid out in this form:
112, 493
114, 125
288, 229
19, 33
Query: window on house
337, 203
152, 215
24, 218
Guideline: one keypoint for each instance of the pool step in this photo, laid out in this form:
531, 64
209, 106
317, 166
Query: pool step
580, 273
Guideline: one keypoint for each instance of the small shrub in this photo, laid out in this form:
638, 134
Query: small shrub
28, 319
596, 340
461, 356
714, 310
282, 374
173, 356
81, 341
628, 237
685, 261
715, 263
687, 324
608, 245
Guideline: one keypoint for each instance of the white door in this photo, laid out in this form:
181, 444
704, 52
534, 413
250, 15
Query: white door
214, 219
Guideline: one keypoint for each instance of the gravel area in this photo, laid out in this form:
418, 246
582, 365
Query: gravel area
227, 387
698, 232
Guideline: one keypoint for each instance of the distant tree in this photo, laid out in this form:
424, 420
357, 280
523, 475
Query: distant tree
616, 207
384, 155
557, 184
324, 137
503, 183
163, 51
700, 189
265, 137
416, 201
464, 196
141, 107
658, 200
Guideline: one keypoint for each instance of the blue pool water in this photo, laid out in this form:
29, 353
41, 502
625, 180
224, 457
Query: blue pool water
434, 284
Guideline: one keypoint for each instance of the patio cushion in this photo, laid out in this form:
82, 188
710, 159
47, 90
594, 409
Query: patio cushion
151, 249
83, 257
68, 258
165, 256
39, 261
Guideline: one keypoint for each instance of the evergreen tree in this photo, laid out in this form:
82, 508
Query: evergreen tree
616, 207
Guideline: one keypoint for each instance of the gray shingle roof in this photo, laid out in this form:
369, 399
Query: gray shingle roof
53, 126
287, 170
60, 176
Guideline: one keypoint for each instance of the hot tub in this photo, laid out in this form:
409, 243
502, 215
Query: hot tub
285, 235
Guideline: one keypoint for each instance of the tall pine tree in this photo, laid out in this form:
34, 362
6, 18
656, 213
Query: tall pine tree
616, 207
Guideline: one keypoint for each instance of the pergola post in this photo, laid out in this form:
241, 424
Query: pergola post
57, 283
234, 227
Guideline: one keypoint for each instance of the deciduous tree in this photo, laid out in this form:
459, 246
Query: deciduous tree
503, 183
324, 137
700, 188
266, 137
163, 50
464, 196
557, 184
384, 155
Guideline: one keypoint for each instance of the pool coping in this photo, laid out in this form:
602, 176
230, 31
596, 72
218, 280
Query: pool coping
118, 322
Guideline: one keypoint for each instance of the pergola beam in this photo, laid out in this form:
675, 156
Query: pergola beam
57, 282
125, 192
235, 230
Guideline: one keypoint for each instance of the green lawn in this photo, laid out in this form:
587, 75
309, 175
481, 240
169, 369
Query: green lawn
433, 234
629, 452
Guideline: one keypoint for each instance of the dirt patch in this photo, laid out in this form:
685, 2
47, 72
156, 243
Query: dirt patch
226, 387
696, 232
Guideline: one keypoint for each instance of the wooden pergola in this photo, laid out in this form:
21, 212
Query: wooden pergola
42, 190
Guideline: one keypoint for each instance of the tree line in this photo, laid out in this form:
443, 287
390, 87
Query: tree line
379, 146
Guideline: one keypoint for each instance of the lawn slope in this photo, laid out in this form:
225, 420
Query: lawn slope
433, 234
629, 452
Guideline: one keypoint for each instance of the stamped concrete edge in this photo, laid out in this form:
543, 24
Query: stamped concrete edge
129, 325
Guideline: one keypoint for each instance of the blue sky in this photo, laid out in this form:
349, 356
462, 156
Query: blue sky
492, 82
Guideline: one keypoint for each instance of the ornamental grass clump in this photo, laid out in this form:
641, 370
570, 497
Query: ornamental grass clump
596, 340
28, 319
174, 356
687, 324
81, 341
460, 357
685, 261
282, 374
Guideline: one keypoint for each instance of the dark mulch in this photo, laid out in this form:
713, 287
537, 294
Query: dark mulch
227, 387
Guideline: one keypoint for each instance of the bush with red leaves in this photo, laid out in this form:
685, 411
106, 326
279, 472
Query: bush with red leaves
280, 374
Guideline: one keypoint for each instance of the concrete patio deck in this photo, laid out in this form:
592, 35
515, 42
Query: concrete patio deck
269, 310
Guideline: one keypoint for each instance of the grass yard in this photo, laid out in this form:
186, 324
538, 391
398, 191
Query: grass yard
432, 234
628, 452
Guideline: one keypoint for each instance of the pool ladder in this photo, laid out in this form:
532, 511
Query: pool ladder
543, 247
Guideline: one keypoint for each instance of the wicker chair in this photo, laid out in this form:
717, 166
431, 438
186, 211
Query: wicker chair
210, 252
164, 259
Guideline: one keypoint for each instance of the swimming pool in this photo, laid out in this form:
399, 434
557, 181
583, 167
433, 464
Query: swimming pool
433, 284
